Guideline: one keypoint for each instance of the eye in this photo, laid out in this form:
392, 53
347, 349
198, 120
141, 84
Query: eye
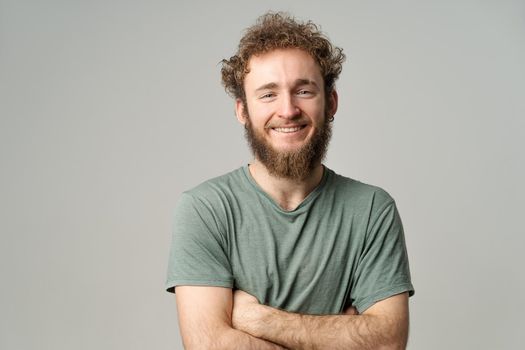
267, 96
304, 92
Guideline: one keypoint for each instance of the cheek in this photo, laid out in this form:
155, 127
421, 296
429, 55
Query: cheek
261, 115
264, 110
319, 113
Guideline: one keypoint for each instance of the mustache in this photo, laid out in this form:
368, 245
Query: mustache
295, 123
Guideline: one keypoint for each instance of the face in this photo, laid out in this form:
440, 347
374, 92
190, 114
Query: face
286, 112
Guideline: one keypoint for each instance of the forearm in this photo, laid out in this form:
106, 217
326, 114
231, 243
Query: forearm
205, 321
228, 338
236, 339
297, 331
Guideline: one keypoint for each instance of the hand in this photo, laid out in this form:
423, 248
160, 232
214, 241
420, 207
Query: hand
351, 311
246, 312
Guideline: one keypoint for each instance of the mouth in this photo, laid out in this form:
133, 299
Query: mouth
289, 129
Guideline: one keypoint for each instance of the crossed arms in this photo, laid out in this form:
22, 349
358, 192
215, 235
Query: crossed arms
218, 318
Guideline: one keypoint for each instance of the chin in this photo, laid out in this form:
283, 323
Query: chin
289, 145
289, 148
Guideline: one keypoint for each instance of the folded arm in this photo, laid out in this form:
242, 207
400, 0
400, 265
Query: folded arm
205, 320
383, 326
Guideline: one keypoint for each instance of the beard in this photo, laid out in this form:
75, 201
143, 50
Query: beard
294, 164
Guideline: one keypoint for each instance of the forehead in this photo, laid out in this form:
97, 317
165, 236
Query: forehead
282, 67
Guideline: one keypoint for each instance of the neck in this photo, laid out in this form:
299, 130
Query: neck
287, 193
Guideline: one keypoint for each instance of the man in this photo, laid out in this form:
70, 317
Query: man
283, 252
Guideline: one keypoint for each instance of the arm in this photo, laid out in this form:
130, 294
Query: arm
383, 326
205, 320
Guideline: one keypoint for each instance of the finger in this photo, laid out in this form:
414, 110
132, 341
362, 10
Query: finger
351, 311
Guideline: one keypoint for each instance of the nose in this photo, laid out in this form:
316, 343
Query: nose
288, 108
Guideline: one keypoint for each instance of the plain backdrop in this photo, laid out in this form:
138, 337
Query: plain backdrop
110, 109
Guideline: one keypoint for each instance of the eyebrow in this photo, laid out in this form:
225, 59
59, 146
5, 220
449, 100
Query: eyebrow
301, 82
298, 82
266, 87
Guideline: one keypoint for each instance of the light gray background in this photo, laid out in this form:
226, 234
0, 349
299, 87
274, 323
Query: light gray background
110, 109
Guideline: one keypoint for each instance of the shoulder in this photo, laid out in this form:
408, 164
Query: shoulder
209, 203
358, 192
228, 183
217, 193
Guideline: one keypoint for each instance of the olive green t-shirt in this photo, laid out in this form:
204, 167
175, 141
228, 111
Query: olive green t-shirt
343, 245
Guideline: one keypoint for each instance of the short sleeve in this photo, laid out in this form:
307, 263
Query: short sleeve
198, 254
383, 269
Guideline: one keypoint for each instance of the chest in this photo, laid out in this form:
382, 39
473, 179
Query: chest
301, 263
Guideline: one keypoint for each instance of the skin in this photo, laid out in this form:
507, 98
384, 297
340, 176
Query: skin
205, 320
382, 326
284, 88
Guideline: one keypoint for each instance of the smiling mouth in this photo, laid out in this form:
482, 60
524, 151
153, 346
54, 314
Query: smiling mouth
289, 129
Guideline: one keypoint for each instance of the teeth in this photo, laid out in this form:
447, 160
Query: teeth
288, 129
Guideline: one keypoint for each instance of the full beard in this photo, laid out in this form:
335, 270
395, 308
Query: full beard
295, 164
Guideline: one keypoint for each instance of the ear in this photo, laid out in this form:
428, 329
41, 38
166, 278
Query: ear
239, 111
333, 100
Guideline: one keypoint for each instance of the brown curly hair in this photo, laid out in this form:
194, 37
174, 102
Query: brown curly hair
281, 31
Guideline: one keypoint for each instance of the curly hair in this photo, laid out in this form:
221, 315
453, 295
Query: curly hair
274, 31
